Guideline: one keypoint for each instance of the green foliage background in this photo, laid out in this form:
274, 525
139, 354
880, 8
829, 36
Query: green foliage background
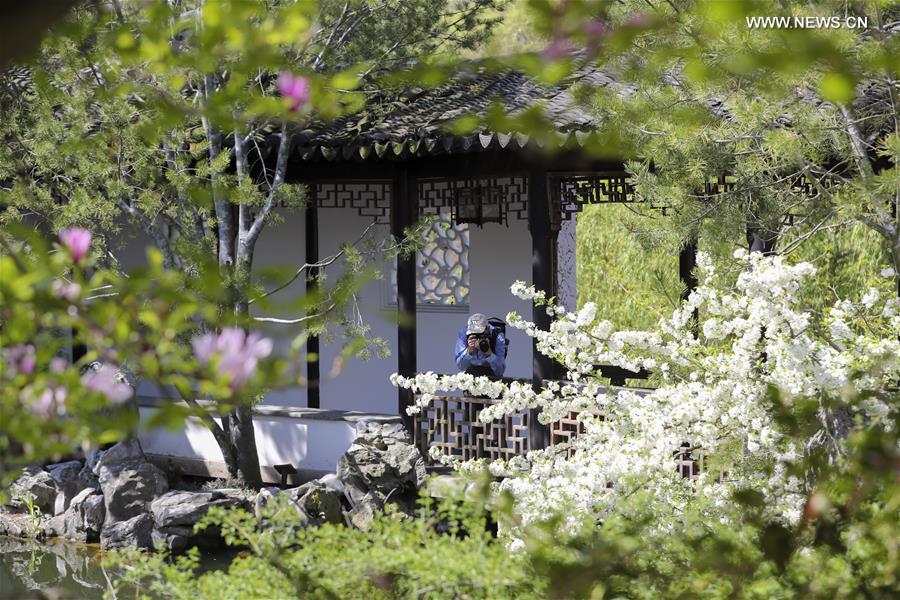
633, 278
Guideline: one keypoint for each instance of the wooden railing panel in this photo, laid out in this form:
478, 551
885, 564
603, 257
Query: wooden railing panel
451, 424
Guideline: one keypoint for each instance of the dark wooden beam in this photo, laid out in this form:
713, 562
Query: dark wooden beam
542, 277
687, 262
404, 213
313, 356
491, 163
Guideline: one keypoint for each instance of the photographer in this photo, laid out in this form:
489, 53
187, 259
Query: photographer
480, 348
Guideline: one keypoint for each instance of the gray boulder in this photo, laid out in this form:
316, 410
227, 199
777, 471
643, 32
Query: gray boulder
264, 498
93, 514
381, 466
38, 485
83, 521
175, 514
123, 452
16, 525
173, 539
287, 499
321, 503
135, 532
182, 508
70, 478
55, 526
128, 481
361, 515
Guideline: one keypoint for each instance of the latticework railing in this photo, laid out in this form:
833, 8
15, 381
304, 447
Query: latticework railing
451, 425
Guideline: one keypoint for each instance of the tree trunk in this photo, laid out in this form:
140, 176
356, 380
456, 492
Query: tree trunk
240, 420
243, 441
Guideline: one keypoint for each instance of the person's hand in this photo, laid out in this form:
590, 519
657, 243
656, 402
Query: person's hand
472, 344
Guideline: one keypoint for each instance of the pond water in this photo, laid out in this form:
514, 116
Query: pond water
64, 570
56, 569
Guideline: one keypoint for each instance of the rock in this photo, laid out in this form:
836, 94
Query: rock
74, 526
175, 514
85, 516
332, 482
36, 484
361, 515
134, 532
71, 478
55, 526
321, 503
65, 474
93, 513
380, 466
265, 497
17, 525
186, 508
128, 481
173, 539
126, 451
83, 495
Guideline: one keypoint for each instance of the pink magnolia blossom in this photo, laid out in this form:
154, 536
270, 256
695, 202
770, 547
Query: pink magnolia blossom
77, 241
106, 381
20, 359
51, 402
295, 87
236, 354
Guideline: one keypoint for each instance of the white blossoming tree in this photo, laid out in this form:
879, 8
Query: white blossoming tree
714, 395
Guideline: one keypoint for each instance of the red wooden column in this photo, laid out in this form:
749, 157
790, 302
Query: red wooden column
542, 277
405, 213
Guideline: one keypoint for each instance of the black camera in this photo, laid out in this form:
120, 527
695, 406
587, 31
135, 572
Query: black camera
484, 342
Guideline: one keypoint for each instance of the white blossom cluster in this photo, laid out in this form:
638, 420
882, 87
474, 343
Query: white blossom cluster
752, 335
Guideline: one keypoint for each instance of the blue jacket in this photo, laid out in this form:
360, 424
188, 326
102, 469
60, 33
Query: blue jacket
496, 361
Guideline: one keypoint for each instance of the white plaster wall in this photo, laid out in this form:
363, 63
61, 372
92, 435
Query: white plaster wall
283, 246
358, 385
279, 440
435, 339
498, 256
130, 249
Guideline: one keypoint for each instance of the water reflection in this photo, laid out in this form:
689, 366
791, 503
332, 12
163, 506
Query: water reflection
52, 569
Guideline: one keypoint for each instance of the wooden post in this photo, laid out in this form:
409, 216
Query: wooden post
687, 262
404, 213
312, 256
542, 275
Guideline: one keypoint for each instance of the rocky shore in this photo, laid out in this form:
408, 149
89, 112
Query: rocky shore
118, 498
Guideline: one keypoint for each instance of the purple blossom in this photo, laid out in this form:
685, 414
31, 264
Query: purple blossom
295, 87
105, 380
51, 402
235, 353
595, 28
558, 47
58, 364
20, 359
77, 241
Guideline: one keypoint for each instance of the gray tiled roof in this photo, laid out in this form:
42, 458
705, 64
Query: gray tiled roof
416, 122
